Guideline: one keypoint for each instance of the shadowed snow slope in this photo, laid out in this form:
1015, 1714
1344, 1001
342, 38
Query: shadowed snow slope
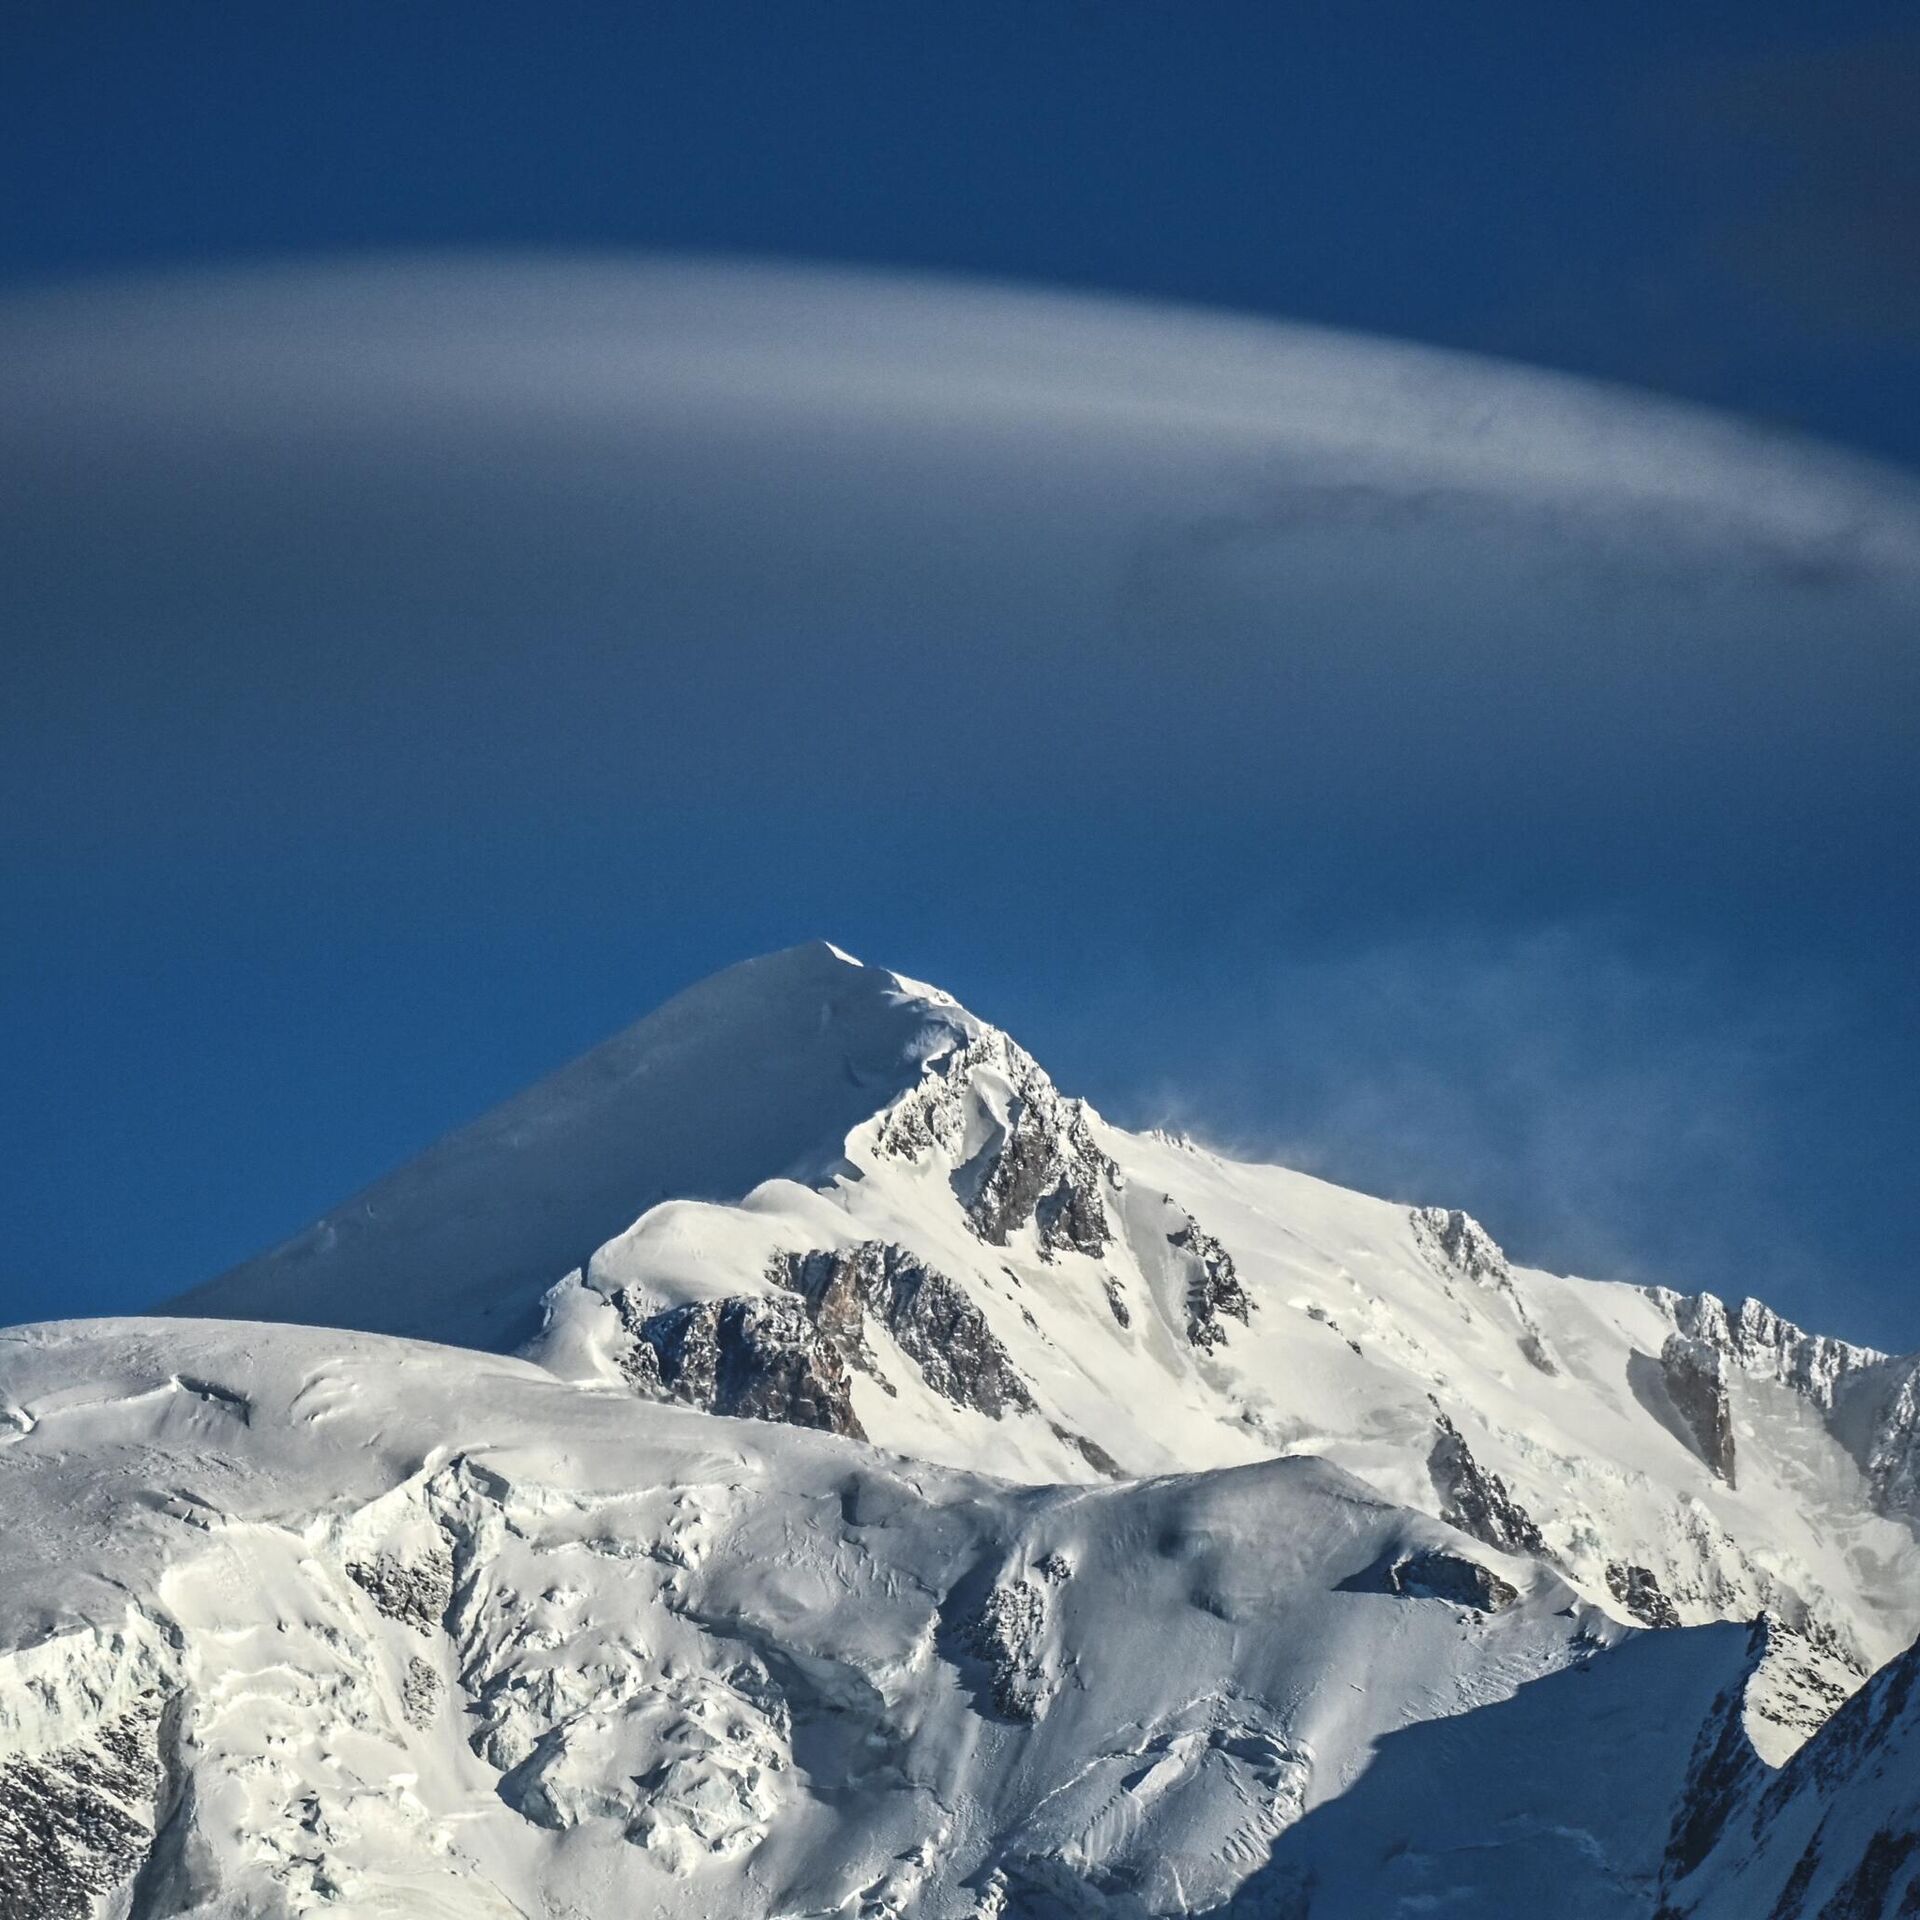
1835, 1835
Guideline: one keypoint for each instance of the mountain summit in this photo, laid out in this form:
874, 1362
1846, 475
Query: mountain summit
853, 1477
757, 1073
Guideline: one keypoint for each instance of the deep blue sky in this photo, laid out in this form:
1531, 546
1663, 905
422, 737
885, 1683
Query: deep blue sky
1668, 1036
1714, 200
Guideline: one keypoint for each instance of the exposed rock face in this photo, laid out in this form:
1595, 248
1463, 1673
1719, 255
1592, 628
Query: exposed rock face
1639, 1593
1457, 1246
1872, 1398
1039, 1165
1760, 1342
929, 1316
417, 1594
754, 1356
1476, 1501
419, 1692
1009, 1634
1435, 1575
1091, 1451
1046, 1170
1695, 1375
77, 1822
1802, 1676
790, 1355
1457, 1243
1892, 1455
1213, 1289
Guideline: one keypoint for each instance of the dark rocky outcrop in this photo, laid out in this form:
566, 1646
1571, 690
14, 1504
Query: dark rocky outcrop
77, 1822
1214, 1291
1871, 1399
1437, 1575
790, 1355
416, 1593
1041, 1166
1891, 1455
1694, 1373
1476, 1501
1866, 1893
757, 1357
1091, 1451
1807, 1672
1046, 1170
419, 1692
1760, 1342
930, 1317
1640, 1594
1008, 1635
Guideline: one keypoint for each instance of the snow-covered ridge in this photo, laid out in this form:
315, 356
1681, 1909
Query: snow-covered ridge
756, 1073
431, 1634
1834, 1834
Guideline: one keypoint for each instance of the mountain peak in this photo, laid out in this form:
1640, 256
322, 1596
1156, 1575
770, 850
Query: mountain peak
757, 1072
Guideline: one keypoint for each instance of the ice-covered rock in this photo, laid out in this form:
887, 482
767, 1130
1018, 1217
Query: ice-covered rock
1457, 1243
1438, 1575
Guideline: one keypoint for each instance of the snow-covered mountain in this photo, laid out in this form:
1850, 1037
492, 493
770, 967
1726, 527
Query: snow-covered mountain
373, 1627
858, 1479
813, 1191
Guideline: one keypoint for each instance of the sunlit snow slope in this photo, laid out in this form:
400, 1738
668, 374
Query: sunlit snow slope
303, 1621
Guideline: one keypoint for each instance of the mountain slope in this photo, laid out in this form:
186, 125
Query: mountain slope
1834, 1835
888, 1222
302, 1620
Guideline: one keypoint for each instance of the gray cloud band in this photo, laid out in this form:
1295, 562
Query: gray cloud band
609, 528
